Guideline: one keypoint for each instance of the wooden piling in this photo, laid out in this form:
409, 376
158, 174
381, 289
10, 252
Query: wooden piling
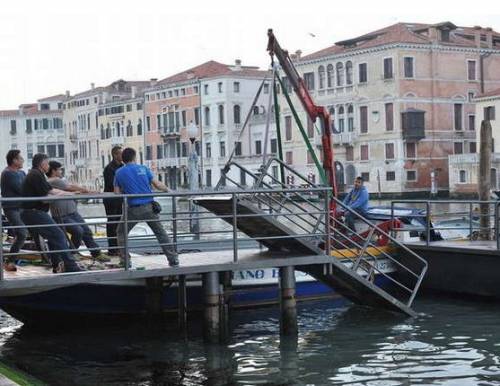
211, 312
484, 183
288, 303
182, 302
154, 297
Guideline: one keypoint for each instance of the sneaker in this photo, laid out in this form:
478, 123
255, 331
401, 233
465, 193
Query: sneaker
102, 258
9, 267
173, 262
58, 268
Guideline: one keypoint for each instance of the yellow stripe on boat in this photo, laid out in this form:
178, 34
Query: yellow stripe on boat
351, 253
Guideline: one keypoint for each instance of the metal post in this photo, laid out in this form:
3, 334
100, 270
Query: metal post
125, 233
194, 185
327, 225
288, 303
471, 230
182, 302
393, 232
1, 244
428, 223
211, 306
174, 222
235, 229
497, 226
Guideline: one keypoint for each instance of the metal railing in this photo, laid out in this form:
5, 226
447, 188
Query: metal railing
364, 249
175, 219
454, 219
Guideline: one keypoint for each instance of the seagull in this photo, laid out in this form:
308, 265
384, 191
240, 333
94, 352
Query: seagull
312, 35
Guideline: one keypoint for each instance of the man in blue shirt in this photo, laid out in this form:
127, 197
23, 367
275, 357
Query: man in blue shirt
136, 179
357, 200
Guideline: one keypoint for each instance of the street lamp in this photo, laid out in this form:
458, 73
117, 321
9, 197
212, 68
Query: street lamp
194, 185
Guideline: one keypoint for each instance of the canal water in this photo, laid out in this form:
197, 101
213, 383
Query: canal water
452, 342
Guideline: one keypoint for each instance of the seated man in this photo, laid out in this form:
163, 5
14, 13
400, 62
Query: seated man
136, 179
66, 212
357, 200
35, 213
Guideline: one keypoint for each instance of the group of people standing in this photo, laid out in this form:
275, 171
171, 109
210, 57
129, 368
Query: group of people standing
121, 175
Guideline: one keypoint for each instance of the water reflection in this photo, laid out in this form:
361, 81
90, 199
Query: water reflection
451, 343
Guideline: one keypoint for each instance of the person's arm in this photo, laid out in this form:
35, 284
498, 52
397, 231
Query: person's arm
78, 189
361, 200
58, 192
347, 198
159, 185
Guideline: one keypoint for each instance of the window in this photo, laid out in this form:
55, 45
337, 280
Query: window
148, 153
40, 149
457, 111
236, 114
266, 88
208, 176
340, 73
365, 176
237, 148
139, 127
207, 116
408, 67
219, 87
28, 126
363, 119
258, 147
411, 150
183, 117
389, 117
388, 68
472, 122
470, 96
472, 147
236, 87
364, 153
349, 153
158, 121
60, 150
221, 114
329, 75
341, 119
208, 150
52, 151
148, 123
13, 127
222, 148
159, 151
462, 176
288, 128
389, 151
363, 74
205, 89
458, 148
243, 177
274, 145
289, 157
309, 80
471, 70
411, 175
309, 158
348, 72
197, 116
310, 128
321, 77
184, 149
390, 176
489, 113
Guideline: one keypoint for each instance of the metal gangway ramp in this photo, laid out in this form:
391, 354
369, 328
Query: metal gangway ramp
295, 223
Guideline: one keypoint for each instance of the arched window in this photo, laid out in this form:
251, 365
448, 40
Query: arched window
321, 77
256, 110
139, 127
236, 114
329, 75
348, 72
207, 116
221, 114
341, 122
130, 129
340, 74
108, 131
103, 134
350, 118
331, 110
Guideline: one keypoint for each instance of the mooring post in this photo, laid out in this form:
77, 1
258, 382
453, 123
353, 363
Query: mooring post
211, 293
182, 302
154, 296
288, 303
484, 183
225, 298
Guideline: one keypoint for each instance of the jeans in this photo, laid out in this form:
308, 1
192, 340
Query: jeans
113, 208
350, 218
145, 213
14, 218
54, 236
79, 232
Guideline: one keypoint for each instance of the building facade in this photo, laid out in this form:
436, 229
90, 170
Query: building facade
464, 168
34, 128
401, 101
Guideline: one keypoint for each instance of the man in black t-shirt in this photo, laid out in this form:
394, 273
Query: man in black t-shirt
113, 206
36, 213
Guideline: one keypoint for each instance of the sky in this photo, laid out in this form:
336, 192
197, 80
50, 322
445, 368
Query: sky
48, 47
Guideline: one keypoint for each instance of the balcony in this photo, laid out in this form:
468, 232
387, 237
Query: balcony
172, 162
80, 162
73, 137
170, 132
344, 138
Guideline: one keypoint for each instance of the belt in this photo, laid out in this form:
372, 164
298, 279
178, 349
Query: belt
136, 206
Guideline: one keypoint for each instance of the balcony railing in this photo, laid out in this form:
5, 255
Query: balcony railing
344, 138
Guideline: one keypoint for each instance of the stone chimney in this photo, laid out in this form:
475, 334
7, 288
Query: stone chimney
152, 82
489, 37
67, 94
477, 35
298, 54
92, 85
133, 91
237, 64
